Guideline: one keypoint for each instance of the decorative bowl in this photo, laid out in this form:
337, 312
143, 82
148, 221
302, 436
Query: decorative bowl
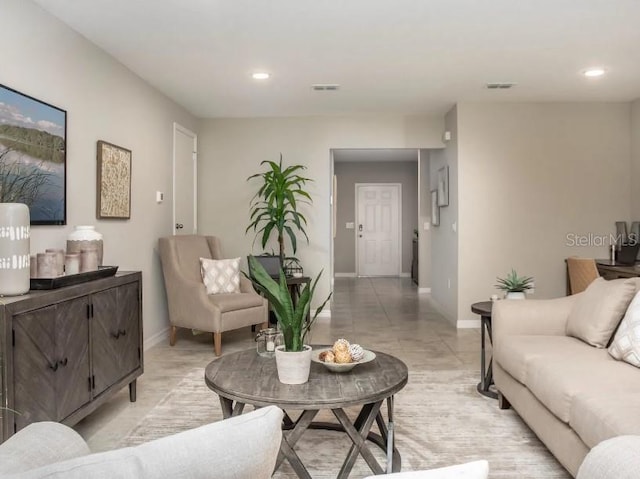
341, 367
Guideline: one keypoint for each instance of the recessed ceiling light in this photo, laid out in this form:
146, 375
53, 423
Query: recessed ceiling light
594, 72
260, 75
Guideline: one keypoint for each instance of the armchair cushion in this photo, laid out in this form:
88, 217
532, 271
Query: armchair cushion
221, 275
235, 301
597, 312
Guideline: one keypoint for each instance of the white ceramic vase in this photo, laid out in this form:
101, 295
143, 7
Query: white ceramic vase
85, 238
515, 295
293, 367
15, 235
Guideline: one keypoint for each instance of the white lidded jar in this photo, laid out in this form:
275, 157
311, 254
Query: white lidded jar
85, 238
15, 233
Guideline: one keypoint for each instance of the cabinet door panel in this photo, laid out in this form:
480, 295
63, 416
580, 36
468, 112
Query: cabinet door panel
115, 335
72, 345
34, 360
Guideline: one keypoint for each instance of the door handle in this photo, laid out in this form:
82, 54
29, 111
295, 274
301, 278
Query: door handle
360, 228
179, 226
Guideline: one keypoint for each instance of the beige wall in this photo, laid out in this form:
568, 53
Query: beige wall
529, 175
635, 160
232, 149
444, 240
104, 101
424, 217
350, 173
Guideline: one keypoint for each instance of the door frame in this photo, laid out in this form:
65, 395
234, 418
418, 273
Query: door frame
357, 216
179, 128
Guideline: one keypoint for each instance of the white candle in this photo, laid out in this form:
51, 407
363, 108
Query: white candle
271, 346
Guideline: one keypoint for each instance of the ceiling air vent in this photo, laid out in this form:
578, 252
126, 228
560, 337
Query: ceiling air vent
500, 86
325, 87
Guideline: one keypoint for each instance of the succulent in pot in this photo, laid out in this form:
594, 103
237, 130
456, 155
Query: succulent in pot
514, 286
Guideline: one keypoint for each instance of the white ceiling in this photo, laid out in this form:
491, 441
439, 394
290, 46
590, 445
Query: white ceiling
389, 56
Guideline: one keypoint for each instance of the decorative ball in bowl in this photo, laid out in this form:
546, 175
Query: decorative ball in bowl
342, 357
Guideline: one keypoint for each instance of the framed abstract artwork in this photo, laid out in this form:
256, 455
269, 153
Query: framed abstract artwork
435, 209
33, 156
443, 186
114, 182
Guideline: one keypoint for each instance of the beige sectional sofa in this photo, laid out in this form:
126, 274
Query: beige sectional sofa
571, 394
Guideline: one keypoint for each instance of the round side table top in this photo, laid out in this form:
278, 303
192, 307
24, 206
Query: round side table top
482, 308
251, 379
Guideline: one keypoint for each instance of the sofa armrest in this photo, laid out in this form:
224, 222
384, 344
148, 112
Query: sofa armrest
40, 444
531, 316
243, 446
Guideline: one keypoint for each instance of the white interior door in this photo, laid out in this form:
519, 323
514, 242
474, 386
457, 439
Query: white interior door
185, 156
378, 241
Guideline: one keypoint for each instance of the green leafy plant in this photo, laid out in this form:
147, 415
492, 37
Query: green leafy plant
275, 206
292, 319
513, 283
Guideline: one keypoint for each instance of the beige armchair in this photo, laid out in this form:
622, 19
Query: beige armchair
189, 304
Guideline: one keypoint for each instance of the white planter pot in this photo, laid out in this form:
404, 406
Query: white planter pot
14, 249
293, 367
515, 295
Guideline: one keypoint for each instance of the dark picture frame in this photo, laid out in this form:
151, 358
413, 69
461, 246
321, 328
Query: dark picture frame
33, 156
113, 191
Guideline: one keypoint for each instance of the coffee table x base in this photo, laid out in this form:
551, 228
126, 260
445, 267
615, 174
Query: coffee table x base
359, 431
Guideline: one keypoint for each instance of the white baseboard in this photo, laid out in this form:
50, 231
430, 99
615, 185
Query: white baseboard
405, 275
468, 324
156, 338
424, 290
344, 275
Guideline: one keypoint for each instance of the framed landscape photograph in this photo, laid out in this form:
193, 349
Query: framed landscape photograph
33, 155
114, 182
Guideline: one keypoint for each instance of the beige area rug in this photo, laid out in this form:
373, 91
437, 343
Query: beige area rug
440, 420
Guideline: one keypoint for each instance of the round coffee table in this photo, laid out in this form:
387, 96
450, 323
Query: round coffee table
246, 378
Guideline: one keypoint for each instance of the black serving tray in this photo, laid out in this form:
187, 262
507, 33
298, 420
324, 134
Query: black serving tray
69, 280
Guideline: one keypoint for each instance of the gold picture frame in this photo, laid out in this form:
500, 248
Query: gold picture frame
113, 182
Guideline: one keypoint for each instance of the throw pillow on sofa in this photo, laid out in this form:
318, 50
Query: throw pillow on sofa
221, 275
626, 343
598, 310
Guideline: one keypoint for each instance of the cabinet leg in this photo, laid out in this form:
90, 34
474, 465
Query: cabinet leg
264, 325
217, 343
132, 391
172, 335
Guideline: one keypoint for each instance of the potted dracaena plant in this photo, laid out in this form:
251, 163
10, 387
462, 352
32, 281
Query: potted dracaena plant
274, 208
293, 359
514, 286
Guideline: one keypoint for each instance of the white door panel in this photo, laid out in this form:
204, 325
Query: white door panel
378, 233
184, 181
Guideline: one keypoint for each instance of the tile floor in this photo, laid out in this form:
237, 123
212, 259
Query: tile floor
385, 314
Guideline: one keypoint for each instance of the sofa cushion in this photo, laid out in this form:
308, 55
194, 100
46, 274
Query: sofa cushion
515, 353
239, 447
556, 381
596, 417
235, 301
221, 275
626, 343
599, 309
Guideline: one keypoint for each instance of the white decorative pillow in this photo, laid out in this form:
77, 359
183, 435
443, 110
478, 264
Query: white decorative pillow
221, 275
626, 343
598, 310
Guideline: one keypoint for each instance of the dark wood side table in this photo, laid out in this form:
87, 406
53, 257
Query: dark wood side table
483, 308
245, 378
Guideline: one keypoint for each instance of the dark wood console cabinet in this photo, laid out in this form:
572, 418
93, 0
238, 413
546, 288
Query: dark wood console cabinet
64, 352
